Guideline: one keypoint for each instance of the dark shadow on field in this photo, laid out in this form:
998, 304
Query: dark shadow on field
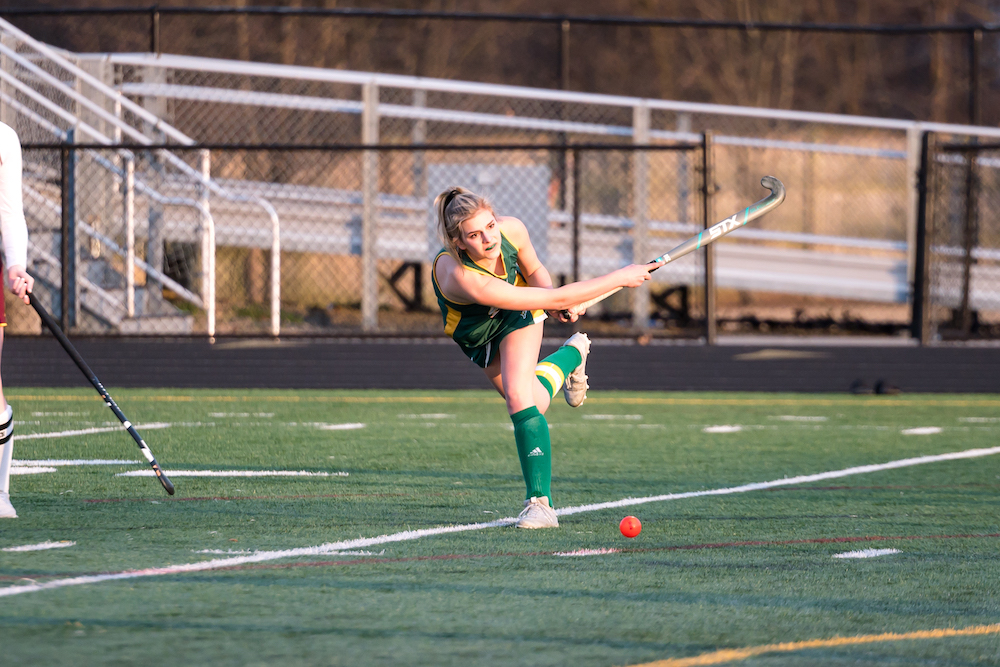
364, 633
946, 610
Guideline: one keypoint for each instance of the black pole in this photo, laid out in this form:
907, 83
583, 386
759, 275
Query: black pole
970, 237
564, 54
563, 74
154, 29
708, 187
576, 215
920, 324
68, 233
975, 59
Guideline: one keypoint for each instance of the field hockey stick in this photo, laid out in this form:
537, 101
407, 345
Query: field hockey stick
712, 234
82, 365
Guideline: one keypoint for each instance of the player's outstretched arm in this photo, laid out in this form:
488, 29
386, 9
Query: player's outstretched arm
472, 286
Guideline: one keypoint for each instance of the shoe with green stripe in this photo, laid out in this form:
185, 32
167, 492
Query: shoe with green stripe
575, 389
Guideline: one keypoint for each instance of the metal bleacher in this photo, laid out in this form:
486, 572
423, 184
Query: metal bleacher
861, 251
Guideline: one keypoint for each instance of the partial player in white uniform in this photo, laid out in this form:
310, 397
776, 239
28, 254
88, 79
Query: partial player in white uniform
14, 232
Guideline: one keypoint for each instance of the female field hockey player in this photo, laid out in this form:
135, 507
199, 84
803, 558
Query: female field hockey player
493, 293
14, 232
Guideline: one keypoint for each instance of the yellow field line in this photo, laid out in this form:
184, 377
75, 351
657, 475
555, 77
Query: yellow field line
730, 655
632, 400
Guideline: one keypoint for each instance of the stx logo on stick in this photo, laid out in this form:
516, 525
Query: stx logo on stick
724, 227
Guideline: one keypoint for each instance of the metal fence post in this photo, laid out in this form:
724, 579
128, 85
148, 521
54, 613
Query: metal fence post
369, 185
640, 204
970, 238
975, 58
914, 139
154, 29
708, 189
67, 187
419, 136
920, 323
576, 214
207, 245
128, 197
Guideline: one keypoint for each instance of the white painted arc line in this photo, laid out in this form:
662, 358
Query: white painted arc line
233, 473
41, 546
787, 481
409, 535
263, 556
86, 431
71, 462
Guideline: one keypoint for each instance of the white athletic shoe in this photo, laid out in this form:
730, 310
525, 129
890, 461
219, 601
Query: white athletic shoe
537, 514
6, 509
575, 389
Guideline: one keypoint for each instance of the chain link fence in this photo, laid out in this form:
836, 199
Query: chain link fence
181, 195
279, 243
964, 238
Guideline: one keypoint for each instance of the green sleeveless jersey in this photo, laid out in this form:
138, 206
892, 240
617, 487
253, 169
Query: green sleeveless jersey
478, 329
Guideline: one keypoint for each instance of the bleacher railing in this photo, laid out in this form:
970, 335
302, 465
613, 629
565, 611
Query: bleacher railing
310, 162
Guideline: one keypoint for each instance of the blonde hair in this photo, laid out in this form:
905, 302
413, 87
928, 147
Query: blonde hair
454, 206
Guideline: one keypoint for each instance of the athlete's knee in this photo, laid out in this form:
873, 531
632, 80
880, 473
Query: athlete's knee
518, 400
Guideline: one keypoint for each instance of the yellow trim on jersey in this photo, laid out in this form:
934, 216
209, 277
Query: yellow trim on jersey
454, 317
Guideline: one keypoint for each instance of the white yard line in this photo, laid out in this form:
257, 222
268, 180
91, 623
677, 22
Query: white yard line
409, 535
41, 546
613, 417
30, 470
867, 553
87, 431
724, 428
233, 473
429, 415
921, 430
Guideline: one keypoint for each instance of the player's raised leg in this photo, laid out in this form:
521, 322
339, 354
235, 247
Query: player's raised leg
567, 366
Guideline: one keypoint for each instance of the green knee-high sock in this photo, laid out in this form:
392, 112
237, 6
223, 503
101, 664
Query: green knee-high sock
553, 369
531, 433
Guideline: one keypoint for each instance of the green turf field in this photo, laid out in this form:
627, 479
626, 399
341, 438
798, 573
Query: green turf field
741, 569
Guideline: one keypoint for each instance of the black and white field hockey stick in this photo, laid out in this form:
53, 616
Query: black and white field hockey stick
713, 233
82, 365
